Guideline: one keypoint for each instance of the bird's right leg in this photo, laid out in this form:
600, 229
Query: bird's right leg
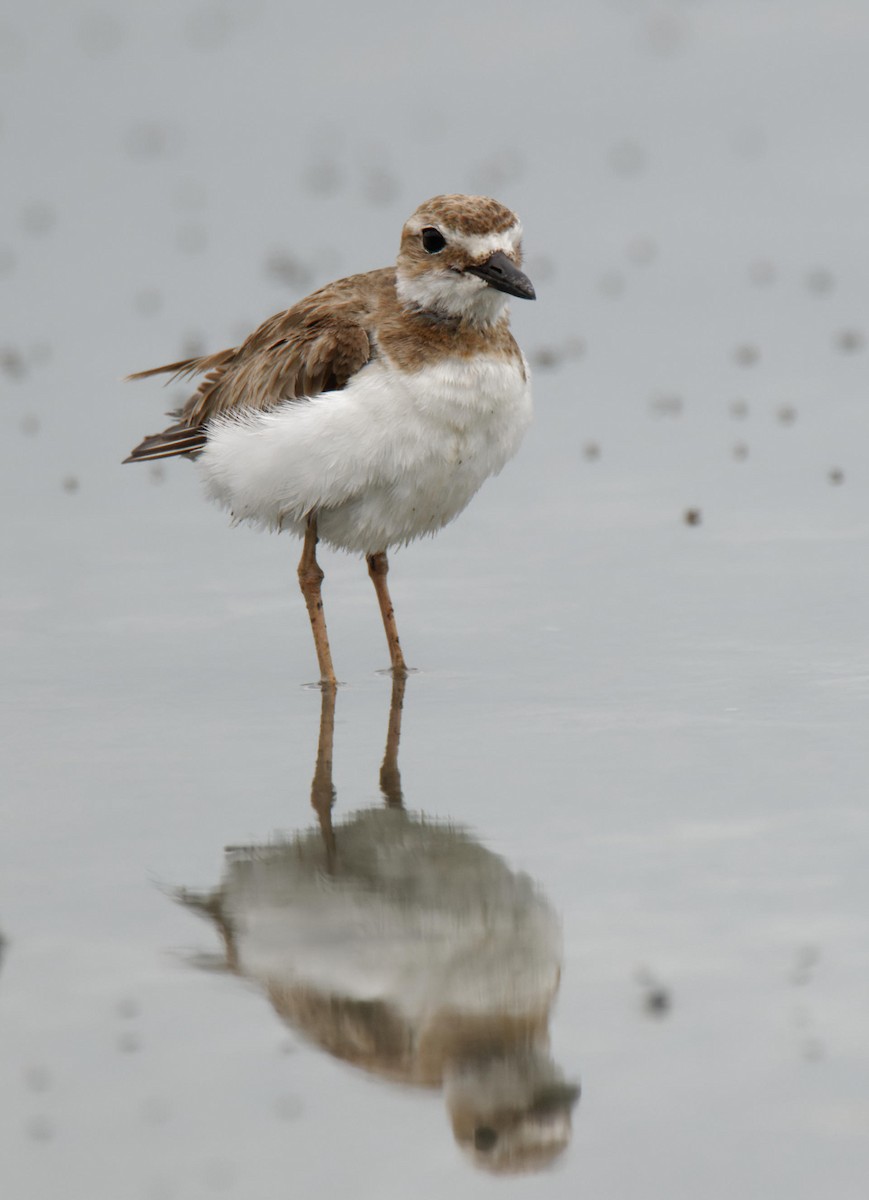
378, 568
310, 579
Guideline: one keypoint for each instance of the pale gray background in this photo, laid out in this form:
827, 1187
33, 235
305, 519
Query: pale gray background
664, 724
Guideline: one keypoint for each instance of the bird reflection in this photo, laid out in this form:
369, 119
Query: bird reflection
401, 945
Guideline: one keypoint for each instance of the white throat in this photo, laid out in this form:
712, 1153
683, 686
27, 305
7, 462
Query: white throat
452, 294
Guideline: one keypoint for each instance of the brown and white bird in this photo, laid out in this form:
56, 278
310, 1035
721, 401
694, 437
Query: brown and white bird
369, 413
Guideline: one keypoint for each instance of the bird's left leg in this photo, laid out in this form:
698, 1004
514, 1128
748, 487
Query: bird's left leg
377, 569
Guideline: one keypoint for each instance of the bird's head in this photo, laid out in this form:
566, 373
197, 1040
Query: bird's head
510, 1113
460, 258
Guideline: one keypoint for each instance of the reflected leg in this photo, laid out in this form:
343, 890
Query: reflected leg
378, 568
390, 777
310, 579
322, 788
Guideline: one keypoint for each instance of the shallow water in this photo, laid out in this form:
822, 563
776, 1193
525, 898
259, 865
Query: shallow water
642, 653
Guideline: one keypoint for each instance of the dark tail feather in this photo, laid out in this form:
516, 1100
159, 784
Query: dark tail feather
187, 366
172, 442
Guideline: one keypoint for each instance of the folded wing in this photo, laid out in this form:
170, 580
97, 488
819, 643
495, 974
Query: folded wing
314, 347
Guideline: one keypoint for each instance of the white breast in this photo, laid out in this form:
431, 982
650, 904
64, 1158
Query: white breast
393, 456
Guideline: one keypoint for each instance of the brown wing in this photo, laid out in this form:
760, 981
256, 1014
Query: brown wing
313, 347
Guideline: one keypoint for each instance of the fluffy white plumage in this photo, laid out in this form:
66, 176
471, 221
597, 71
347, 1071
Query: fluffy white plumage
391, 457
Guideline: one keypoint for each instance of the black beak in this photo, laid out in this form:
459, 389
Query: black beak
554, 1098
503, 275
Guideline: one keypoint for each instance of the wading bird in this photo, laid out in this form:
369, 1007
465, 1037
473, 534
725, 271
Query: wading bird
368, 414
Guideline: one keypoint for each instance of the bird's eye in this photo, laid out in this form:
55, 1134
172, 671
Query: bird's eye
433, 240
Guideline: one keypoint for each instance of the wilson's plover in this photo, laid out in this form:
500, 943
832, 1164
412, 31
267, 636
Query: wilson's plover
369, 413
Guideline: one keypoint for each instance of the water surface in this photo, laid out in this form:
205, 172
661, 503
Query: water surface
643, 660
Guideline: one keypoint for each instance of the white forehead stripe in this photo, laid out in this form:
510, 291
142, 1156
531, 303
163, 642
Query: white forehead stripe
478, 245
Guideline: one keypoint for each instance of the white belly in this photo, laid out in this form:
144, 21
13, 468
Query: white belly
390, 458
